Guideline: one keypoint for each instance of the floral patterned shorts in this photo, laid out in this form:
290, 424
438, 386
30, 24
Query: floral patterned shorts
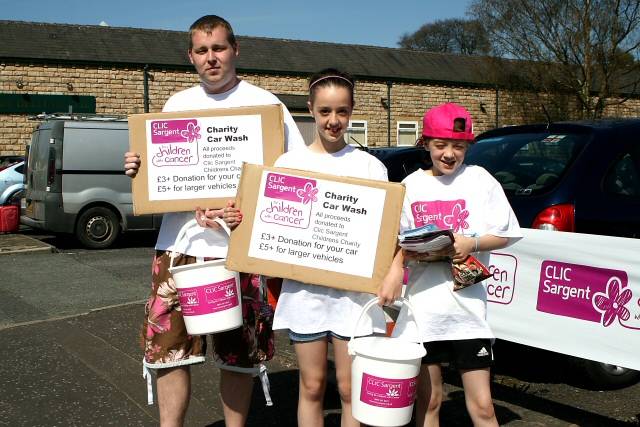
165, 339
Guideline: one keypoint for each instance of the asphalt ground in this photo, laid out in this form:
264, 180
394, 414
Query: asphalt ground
70, 322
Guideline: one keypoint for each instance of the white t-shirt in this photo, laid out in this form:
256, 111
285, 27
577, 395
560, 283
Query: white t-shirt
211, 243
306, 308
470, 202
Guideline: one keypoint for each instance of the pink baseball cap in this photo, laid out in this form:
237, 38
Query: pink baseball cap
448, 121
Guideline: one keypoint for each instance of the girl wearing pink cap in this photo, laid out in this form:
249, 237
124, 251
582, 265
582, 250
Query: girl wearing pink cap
453, 326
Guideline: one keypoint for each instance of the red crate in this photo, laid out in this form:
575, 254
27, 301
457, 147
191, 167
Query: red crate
9, 219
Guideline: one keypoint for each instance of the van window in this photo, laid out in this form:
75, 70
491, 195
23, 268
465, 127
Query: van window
39, 159
94, 148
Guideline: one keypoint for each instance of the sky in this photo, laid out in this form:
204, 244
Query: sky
373, 22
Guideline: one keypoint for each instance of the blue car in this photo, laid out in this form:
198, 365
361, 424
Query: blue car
11, 183
401, 161
579, 177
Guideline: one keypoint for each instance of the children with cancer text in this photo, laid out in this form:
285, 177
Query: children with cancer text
316, 315
453, 325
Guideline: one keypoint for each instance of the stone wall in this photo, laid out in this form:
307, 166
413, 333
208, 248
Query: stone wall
119, 90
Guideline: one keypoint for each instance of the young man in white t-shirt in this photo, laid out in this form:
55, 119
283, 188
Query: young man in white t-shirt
213, 50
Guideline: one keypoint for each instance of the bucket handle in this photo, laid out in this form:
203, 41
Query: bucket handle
367, 307
187, 226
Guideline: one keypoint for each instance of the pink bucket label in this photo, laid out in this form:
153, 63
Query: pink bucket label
388, 393
571, 290
172, 131
208, 299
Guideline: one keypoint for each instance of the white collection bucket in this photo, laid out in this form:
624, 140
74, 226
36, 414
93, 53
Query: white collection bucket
209, 294
384, 376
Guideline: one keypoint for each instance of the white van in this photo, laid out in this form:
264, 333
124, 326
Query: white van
75, 181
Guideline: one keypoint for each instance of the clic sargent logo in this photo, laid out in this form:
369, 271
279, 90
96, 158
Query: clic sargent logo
209, 298
387, 392
588, 293
221, 295
446, 214
291, 200
189, 297
174, 142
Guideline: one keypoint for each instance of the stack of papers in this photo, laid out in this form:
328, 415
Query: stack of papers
427, 238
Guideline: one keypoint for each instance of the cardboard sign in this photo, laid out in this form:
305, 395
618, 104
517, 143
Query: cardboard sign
194, 158
316, 228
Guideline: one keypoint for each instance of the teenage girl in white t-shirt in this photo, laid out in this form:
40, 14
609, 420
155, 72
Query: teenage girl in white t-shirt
316, 315
453, 326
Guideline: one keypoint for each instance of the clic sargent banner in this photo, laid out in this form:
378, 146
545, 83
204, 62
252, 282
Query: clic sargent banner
572, 293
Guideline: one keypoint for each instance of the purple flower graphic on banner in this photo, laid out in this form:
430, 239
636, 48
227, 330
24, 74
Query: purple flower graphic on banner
458, 218
612, 303
308, 193
192, 133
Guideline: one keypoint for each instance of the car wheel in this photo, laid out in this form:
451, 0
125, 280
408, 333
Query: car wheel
14, 199
608, 377
97, 228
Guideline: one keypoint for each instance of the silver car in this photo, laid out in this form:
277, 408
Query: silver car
11, 183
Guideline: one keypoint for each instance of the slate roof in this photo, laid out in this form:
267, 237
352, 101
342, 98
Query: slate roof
65, 43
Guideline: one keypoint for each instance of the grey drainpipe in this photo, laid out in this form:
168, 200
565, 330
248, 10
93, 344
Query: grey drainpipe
497, 107
389, 84
145, 81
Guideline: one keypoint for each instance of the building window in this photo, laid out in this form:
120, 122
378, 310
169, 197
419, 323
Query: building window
356, 133
407, 133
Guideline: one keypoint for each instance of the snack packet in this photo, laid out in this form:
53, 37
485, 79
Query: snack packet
468, 272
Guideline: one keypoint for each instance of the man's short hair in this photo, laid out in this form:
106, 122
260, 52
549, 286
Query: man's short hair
207, 24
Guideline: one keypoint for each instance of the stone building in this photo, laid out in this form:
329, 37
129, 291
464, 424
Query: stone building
120, 71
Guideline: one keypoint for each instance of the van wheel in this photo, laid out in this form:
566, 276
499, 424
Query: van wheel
97, 228
608, 377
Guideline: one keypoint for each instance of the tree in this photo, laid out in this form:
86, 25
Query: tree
448, 36
588, 48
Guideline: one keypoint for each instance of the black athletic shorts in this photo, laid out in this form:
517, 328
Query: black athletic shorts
461, 354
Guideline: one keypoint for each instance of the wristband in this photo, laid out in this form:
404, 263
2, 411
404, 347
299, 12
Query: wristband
475, 249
